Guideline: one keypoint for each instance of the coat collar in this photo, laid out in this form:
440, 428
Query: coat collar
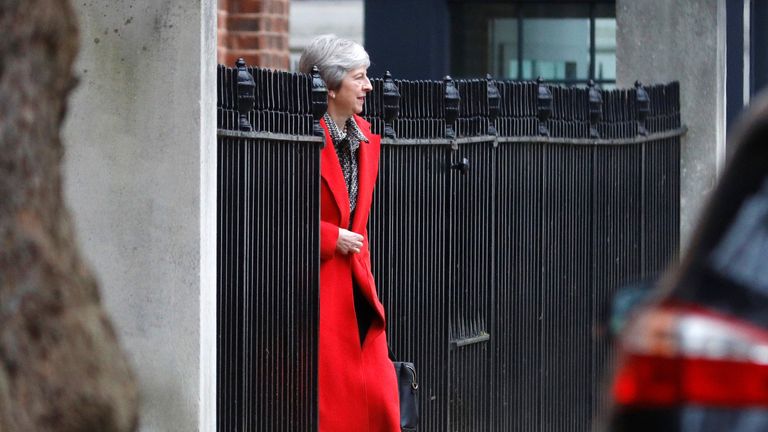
330, 171
368, 166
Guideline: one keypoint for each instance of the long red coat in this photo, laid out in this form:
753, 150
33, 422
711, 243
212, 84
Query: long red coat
357, 387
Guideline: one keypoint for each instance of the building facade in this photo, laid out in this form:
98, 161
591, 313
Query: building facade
711, 46
565, 42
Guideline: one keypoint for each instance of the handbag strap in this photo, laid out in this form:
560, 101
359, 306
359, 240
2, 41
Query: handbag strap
391, 353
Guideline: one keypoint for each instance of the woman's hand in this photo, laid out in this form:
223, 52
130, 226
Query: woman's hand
348, 242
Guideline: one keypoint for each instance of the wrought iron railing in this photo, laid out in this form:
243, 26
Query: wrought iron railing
504, 217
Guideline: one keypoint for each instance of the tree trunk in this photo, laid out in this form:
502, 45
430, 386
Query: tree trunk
61, 368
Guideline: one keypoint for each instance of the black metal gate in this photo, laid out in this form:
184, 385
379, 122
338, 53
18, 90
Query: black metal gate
500, 227
268, 259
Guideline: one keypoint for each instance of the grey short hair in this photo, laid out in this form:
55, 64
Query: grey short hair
334, 57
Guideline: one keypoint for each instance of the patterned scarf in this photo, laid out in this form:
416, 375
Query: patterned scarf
346, 145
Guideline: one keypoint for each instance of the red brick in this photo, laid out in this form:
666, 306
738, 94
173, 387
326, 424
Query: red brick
248, 6
270, 24
245, 22
261, 58
280, 25
278, 7
272, 42
251, 57
270, 6
221, 56
256, 30
242, 40
280, 42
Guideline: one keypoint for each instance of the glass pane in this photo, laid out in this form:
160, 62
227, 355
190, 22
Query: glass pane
556, 48
605, 48
504, 48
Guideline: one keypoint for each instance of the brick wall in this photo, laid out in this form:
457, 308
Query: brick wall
256, 30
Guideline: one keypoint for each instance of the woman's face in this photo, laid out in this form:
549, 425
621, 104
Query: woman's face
349, 98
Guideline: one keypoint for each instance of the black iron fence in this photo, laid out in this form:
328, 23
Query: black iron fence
504, 217
268, 265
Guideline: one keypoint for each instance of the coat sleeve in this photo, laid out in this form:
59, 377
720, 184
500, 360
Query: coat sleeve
329, 233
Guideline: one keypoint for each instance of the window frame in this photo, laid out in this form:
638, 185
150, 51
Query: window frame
596, 10
518, 11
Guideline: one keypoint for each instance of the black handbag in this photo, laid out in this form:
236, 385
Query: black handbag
408, 389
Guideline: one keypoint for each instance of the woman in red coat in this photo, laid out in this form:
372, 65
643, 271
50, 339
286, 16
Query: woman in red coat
357, 387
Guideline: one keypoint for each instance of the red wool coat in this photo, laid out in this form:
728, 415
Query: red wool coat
357, 387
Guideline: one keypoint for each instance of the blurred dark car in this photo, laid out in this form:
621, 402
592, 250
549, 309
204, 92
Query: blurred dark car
695, 359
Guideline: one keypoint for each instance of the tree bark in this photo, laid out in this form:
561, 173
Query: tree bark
61, 368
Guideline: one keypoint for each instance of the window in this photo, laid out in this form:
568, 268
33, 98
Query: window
568, 43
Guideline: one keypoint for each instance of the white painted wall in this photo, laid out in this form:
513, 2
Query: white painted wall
140, 180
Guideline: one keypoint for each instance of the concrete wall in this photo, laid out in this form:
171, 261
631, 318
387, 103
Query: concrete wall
140, 179
683, 40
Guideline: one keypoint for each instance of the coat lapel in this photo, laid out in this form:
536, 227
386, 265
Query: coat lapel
368, 169
330, 171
